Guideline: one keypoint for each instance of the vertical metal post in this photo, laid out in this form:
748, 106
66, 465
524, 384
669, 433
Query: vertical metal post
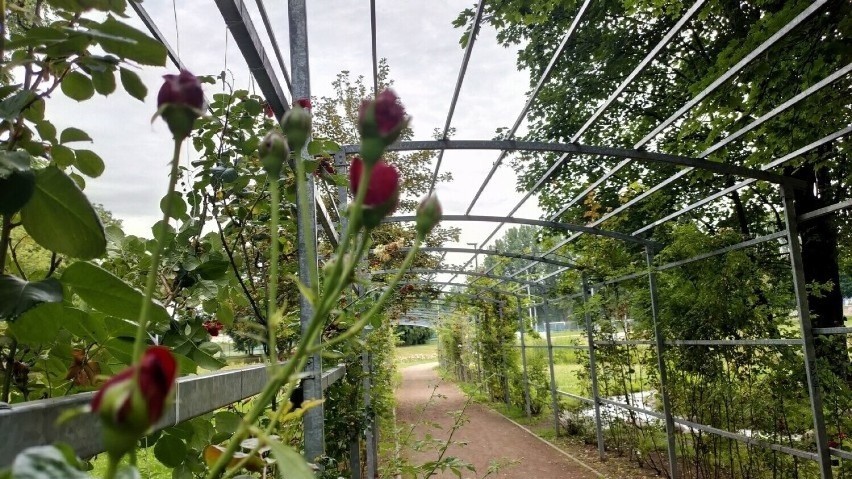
593, 368
341, 167
801, 292
355, 458
661, 365
312, 421
521, 328
553, 398
506, 398
478, 350
369, 432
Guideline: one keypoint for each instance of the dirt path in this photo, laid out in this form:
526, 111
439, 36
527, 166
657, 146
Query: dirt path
489, 436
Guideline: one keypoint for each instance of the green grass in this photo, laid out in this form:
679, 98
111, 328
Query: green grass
148, 465
419, 354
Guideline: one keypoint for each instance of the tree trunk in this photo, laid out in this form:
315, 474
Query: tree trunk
820, 260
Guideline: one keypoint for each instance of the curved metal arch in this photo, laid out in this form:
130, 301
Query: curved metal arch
578, 149
505, 254
455, 271
467, 295
467, 285
534, 222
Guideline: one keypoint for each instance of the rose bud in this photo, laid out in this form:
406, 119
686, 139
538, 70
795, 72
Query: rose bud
296, 124
304, 103
380, 123
382, 193
213, 327
134, 400
428, 215
273, 151
180, 102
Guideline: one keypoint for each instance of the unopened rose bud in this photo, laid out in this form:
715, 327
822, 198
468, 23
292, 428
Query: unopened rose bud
180, 102
273, 151
296, 125
382, 195
380, 122
428, 215
134, 400
304, 103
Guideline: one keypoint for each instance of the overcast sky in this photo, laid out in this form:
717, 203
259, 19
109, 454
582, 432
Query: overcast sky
424, 55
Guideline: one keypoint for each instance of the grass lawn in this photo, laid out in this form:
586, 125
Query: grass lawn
419, 354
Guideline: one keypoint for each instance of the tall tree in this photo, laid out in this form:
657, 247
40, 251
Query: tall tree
612, 39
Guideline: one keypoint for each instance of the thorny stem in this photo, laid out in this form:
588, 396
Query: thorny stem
284, 373
151, 280
365, 319
5, 236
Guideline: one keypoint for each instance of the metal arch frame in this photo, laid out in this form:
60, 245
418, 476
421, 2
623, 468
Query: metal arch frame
474, 32
545, 76
465, 285
454, 271
238, 21
533, 222
663, 43
494, 252
823, 456
596, 150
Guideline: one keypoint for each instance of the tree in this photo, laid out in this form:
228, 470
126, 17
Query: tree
596, 60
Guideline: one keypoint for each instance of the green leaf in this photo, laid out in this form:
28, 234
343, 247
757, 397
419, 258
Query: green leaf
79, 180
213, 269
11, 107
225, 314
109, 294
185, 347
136, 45
17, 181
62, 156
73, 134
133, 84
18, 296
227, 421
39, 325
61, 219
35, 112
170, 450
178, 205
42, 462
103, 81
83, 325
289, 460
89, 163
77, 86
46, 130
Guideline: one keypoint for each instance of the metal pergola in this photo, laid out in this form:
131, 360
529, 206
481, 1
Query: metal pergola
297, 79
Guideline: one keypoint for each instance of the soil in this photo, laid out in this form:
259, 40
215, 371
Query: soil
488, 436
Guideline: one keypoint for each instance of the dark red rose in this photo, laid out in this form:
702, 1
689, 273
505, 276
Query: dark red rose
181, 89
133, 402
304, 103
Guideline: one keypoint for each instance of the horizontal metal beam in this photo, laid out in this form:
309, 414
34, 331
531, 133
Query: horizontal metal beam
34, 423
238, 21
578, 149
825, 211
494, 252
534, 222
454, 271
